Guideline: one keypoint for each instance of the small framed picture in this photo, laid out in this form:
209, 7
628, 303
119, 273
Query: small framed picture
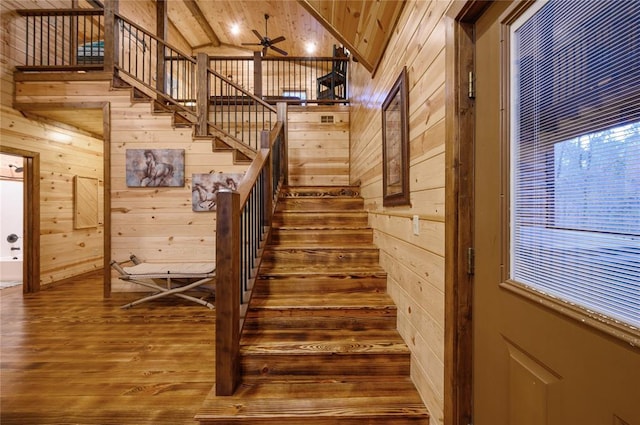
204, 192
395, 144
155, 167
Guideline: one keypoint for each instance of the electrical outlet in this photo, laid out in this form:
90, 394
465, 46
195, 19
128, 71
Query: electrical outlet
416, 225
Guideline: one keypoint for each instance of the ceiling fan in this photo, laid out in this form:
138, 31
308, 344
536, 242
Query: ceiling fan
265, 41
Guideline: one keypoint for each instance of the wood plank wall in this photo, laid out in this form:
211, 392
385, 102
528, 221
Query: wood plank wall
64, 153
318, 145
415, 264
154, 223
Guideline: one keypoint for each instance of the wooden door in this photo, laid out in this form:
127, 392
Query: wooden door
533, 364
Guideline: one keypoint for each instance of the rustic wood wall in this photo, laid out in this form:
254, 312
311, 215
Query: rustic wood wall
318, 145
415, 263
154, 223
64, 153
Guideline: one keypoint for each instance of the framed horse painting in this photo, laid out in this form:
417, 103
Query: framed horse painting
155, 167
204, 192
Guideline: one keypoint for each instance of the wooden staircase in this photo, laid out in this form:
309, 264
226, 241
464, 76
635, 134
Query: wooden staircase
320, 344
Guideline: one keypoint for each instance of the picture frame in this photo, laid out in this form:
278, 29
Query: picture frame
395, 144
205, 188
155, 167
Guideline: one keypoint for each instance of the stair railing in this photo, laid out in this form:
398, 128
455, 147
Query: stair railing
166, 74
63, 39
232, 110
243, 223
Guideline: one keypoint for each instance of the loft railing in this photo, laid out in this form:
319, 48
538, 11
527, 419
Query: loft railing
63, 39
232, 110
242, 228
282, 79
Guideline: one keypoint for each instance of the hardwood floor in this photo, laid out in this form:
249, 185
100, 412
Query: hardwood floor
68, 356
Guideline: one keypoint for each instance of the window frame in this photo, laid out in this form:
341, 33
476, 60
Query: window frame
610, 326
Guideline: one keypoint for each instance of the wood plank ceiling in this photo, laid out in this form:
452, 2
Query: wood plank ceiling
363, 26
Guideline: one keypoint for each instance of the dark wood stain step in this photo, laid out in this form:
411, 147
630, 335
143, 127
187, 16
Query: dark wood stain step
320, 219
344, 402
307, 203
327, 256
320, 344
345, 237
271, 284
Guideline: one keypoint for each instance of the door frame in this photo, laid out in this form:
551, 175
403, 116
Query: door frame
30, 218
459, 199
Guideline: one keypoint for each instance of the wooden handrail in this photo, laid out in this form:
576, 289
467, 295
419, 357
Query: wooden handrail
60, 12
183, 56
240, 236
242, 89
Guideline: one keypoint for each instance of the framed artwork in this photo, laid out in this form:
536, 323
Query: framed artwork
395, 144
205, 188
155, 167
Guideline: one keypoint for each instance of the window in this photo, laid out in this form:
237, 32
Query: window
575, 154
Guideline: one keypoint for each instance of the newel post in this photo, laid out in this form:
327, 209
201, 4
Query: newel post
227, 292
257, 74
161, 31
111, 35
202, 93
283, 117
267, 183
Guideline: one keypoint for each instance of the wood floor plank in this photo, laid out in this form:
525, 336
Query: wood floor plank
68, 356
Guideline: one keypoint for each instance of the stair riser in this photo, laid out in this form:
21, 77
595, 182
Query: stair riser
320, 204
303, 191
300, 285
268, 366
320, 220
326, 257
268, 320
343, 237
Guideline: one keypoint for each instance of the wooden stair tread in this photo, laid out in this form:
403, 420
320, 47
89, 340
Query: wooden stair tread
326, 301
324, 247
319, 191
320, 270
323, 347
341, 336
292, 284
307, 400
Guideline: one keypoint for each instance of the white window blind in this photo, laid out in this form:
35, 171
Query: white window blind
575, 154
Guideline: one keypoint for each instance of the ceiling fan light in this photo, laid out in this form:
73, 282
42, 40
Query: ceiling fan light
310, 47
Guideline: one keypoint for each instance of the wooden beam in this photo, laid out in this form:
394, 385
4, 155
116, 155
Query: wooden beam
195, 10
329, 27
202, 94
111, 35
227, 293
162, 27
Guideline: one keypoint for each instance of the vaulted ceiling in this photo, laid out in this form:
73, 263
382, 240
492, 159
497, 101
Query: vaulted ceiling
363, 26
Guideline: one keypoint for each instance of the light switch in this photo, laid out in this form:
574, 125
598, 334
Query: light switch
416, 225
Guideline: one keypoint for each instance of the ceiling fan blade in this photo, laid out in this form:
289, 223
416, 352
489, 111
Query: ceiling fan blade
257, 34
282, 52
278, 40
252, 44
